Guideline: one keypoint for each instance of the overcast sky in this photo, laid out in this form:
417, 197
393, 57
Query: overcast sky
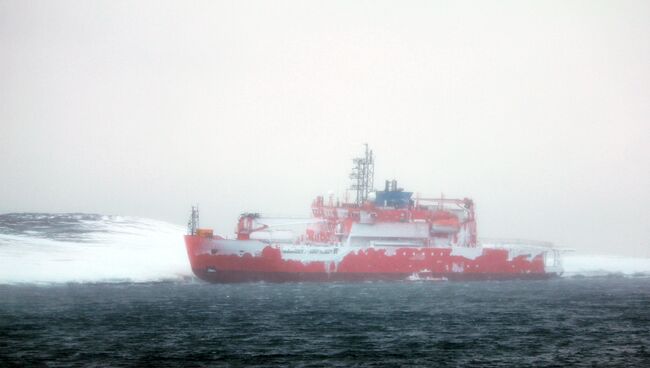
537, 110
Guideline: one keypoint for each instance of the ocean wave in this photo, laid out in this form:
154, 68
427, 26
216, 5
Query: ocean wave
44, 248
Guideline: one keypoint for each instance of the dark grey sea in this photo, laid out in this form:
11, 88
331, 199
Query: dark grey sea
589, 322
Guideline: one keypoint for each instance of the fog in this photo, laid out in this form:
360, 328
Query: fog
539, 111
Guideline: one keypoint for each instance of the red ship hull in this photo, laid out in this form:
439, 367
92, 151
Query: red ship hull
382, 235
227, 261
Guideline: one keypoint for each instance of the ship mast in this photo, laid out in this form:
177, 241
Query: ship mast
193, 223
363, 176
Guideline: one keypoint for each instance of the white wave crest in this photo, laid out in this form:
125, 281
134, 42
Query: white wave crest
110, 248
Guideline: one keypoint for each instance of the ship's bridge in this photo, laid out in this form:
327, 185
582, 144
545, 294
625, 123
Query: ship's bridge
392, 196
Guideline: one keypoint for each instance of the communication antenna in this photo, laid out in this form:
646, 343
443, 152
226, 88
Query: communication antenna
363, 175
193, 223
